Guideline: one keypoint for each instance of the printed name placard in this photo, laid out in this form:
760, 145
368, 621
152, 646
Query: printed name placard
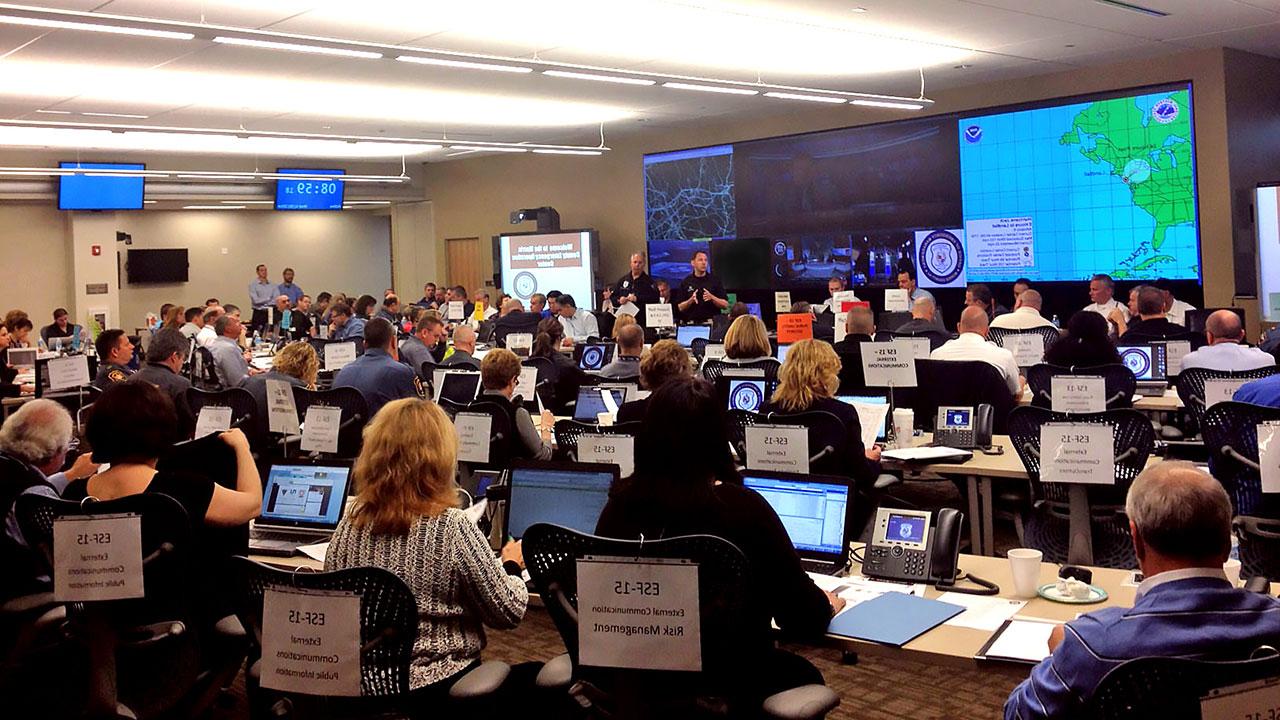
794, 327
311, 641
1078, 393
282, 413
97, 558
641, 614
320, 431
918, 347
456, 311
1174, 351
1269, 456
897, 300
1082, 453
212, 419
713, 352
842, 319
843, 300
1218, 390
886, 364
473, 436
658, 315
520, 343
1257, 700
778, 447
617, 450
1027, 348
782, 301
528, 382
339, 355
67, 372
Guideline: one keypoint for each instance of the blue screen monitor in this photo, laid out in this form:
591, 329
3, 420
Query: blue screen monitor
685, 334
782, 352
905, 528
754, 309
558, 493
813, 512
746, 394
100, 192
309, 194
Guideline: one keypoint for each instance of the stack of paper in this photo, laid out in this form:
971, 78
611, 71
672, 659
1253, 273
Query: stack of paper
1021, 640
981, 613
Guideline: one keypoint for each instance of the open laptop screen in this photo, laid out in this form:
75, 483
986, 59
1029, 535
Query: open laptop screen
685, 334
305, 495
813, 512
870, 400
459, 387
594, 356
591, 401
1147, 362
572, 496
746, 394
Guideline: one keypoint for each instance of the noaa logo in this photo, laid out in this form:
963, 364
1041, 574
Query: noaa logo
779, 248
1136, 360
941, 257
1165, 111
973, 133
746, 397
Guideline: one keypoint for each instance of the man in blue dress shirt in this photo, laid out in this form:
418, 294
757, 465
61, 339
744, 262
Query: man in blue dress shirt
288, 289
347, 327
1260, 392
378, 374
1180, 519
262, 293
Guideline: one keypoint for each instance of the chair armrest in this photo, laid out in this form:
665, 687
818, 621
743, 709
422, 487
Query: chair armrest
885, 480
145, 635
484, 680
806, 702
27, 603
556, 673
229, 627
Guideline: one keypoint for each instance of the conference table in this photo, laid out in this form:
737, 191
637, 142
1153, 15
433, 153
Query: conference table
1166, 402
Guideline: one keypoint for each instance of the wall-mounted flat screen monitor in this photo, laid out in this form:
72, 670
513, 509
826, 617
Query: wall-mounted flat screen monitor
100, 192
168, 265
309, 193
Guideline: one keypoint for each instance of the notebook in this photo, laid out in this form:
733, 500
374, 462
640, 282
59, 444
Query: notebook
892, 618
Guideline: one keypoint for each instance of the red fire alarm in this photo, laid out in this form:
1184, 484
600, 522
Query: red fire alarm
96, 250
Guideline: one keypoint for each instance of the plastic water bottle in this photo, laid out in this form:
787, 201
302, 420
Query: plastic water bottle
257, 339
1056, 322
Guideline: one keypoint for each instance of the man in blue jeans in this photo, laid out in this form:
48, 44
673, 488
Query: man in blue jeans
1180, 518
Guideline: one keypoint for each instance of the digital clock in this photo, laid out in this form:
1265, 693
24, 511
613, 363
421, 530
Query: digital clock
309, 193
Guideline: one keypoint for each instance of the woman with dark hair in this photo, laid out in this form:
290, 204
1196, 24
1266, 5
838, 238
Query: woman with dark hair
365, 305
685, 484
1085, 343
565, 376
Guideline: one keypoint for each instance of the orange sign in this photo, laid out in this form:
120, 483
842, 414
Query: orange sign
847, 306
793, 327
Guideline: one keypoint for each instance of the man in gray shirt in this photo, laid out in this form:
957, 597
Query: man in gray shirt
165, 355
416, 349
627, 362
228, 360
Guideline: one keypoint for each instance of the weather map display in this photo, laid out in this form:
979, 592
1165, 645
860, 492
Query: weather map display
688, 194
1066, 191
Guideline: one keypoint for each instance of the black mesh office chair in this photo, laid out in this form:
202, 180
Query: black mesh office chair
713, 369
120, 648
355, 414
936, 337
698, 346
1119, 381
1171, 688
1082, 524
243, 405
1049, 335
388, 630
504, 440
1230, 433
568, 431
945, 383
1191, 384
736, 424
203, 374
829, 452
552, 553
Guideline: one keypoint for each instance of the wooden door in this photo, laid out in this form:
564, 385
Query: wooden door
466, 266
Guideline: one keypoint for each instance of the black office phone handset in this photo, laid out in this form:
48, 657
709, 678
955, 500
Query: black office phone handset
904, 547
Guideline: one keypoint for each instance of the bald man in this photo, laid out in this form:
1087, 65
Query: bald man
972, 345
1224, 350
636, 287
464, 347
1025, 315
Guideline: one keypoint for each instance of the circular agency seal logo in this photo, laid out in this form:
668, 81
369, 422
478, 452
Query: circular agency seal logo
1165, 111
1136, 360
941, 257
780, 249
973, 133
747, 397
525, 285
592, 356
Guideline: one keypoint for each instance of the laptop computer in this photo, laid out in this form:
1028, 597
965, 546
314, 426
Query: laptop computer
591, 401
746, 393
593, 356
456, 385
815, 511
562, 493
1148, 363
782, 352
870, 400
302, 502
686, 334
755, 309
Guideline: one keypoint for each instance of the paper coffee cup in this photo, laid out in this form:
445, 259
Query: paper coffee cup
1232, 569
904, 426
604, 419
1024, 565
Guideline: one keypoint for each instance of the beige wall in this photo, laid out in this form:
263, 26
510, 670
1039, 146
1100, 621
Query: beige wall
473, 197
37, 245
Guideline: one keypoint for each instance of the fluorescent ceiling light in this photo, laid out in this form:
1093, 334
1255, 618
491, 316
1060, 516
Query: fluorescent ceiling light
567, 152
809, 98
710, 88
93, 27
366, 202
213, 207
598, 78
888, 104
297, 47
248, 202
54, 112
464, 64
149, 202
192, 176
472, 148
179, 142
115, 115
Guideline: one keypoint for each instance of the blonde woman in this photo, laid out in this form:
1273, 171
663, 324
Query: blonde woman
296, 364
406, 520
747, 340
807, 382
621, 322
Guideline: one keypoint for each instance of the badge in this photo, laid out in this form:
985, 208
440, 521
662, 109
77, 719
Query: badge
626, 284
116, 376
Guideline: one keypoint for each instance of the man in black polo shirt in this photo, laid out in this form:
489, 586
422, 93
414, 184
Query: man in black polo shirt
1151, 321
635, 287
702, 296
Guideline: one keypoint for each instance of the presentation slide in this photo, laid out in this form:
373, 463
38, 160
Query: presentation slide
1063, 192
1268, 205
544, 262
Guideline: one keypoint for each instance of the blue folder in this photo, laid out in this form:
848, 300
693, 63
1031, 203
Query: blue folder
893, 618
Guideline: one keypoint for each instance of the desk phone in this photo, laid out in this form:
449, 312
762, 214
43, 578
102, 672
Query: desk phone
905, 547
963, 427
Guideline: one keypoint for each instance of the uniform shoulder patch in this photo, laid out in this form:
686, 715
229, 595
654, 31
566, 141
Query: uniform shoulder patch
417, 386
116, 376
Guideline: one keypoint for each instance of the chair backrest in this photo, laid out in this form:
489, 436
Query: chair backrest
1133, 443
937, 338
552, 552
568, 430
1230, 431
355, 413
1191, 385
736, 424
947, 383
713, 369
243, 406
504, 440
1119, 381
698, 346
388, 616
829, 451
203, 373
1171, 688
1050, 335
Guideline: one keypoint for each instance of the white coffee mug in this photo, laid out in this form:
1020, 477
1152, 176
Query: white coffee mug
1024, 564
904, 426
604, 419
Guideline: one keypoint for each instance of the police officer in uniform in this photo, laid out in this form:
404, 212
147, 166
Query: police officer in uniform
635, 287
114, 353
702, 295
378, 374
